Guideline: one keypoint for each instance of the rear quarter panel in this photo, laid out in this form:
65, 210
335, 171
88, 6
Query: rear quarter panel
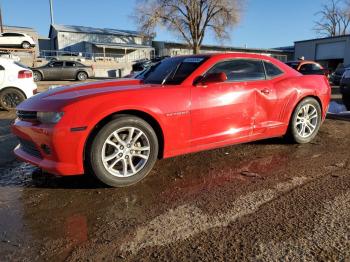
294, 89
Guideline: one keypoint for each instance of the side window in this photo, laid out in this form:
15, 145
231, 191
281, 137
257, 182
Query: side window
306, 68
70, 64
1, 68
240, 70
57, 64
12, 34
272, 70
316, 67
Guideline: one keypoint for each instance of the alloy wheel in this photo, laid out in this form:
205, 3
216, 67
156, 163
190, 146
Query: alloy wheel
11, 100
306, 120
125, 152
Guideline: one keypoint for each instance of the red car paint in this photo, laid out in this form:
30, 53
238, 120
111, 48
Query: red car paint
190, 117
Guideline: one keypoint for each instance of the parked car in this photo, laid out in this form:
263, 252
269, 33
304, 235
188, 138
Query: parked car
10, 55
159, 58
68, 56
16, 40
308, 67
117, 129
337, 75
345, 83
63, 70
16, 83
141, 65
140, 74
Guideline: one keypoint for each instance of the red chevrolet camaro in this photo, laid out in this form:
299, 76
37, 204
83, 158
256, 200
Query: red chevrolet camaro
117, 129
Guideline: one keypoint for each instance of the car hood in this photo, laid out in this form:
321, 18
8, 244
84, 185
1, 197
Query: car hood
57, 97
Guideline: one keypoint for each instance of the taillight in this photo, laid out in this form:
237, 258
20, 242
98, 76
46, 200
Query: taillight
25, 74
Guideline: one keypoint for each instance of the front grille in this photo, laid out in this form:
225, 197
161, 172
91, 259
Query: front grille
29, 147
26, 115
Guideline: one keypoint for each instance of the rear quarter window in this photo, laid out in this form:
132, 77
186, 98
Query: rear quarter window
272, 70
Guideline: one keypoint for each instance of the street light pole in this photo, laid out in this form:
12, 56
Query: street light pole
51, 12
1, 25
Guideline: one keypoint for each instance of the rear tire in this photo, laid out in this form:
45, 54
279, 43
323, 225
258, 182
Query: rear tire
25, 45
37, 76
82, 76
10, 98
305, 121
124, 151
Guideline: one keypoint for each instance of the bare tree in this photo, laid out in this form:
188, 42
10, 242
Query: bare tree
334, 18
190, 19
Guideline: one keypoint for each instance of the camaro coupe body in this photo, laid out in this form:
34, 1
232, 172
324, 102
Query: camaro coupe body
117, 129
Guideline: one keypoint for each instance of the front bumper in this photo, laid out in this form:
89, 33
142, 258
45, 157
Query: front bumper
56, 150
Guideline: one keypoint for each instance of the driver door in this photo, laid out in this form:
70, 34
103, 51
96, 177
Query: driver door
223, 112
54, 70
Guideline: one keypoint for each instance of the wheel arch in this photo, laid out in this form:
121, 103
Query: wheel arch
138, 113
301, 99
82, 71
40, 72
13, 87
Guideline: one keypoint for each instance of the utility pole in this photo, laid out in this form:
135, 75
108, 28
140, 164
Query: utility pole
1, 25
51, 13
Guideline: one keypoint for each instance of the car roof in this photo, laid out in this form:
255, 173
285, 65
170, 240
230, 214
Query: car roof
303, 62
72, 61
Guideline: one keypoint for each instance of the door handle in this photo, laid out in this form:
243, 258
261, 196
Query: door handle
265, 91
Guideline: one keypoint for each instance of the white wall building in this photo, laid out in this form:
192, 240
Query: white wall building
103, 43
173, 49
329, 51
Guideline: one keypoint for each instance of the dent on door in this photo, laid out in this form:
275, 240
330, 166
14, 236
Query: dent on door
222, 112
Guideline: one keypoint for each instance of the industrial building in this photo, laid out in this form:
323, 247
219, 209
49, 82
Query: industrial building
329, 51
101, 43
172, 49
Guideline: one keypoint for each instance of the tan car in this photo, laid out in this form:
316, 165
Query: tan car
63, 70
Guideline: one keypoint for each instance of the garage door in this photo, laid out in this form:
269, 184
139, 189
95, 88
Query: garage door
334, 50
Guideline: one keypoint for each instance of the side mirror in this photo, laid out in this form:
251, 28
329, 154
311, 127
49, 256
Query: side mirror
212, 78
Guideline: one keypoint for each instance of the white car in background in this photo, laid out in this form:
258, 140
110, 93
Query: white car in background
16, 83
9, 55
16, 40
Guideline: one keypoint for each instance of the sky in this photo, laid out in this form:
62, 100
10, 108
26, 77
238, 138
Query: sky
264, 23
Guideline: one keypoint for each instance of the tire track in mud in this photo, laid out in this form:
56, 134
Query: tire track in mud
187, 220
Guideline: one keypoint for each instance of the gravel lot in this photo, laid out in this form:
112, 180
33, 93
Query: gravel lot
265, 201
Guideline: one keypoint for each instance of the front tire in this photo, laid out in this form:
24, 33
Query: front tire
306, 121
37, 76
25, 45
10, 98
82, 76
124, 151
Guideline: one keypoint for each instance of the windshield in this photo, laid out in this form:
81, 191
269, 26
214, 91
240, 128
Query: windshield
174, 70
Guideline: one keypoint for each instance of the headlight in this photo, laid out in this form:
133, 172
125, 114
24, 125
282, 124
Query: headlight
49, 117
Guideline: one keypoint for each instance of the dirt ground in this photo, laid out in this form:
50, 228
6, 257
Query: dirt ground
261, 201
